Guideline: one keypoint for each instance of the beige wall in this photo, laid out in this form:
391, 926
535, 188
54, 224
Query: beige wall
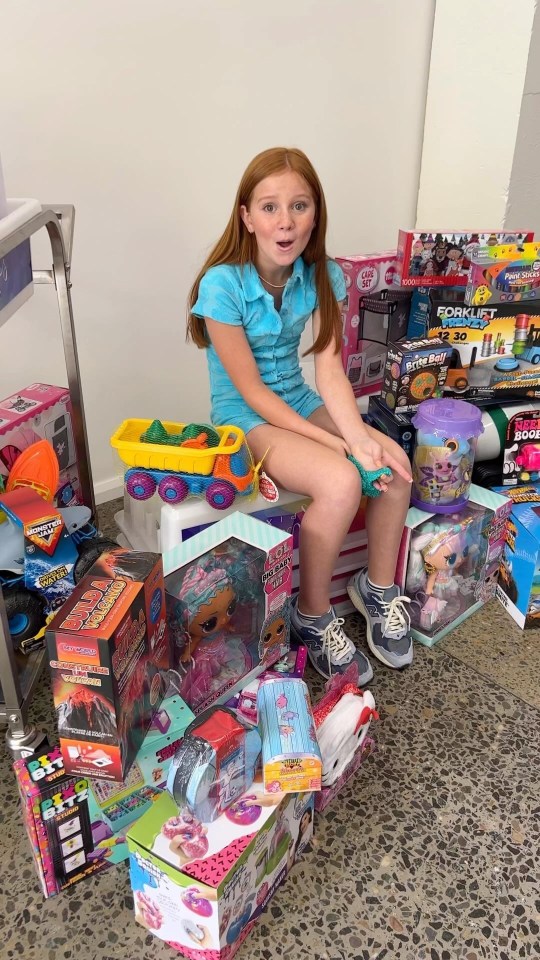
524, 191
144, 115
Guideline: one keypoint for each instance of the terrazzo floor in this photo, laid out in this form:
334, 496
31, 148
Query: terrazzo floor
431, 853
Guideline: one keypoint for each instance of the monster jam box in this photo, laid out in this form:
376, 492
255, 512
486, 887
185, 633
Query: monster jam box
519, 580
108, 653
201, 887
41, 412
414, 371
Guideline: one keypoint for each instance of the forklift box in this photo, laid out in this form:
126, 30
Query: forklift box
108, 652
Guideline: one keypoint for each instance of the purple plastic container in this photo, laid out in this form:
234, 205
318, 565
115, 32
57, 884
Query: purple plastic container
447, 431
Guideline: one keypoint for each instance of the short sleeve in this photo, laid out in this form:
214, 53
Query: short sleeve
337, 280
219, 297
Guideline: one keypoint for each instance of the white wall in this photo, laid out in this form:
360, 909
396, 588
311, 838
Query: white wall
478, 63
144, 115
524, 191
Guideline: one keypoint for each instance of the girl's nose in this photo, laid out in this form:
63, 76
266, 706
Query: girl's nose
285, 219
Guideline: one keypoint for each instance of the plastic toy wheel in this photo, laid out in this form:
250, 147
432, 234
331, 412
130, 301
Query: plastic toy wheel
536, 359
220, 494
89, 552
25, 614
173, 489
140, 485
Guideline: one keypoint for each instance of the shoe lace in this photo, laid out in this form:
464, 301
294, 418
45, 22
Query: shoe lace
335, 641
396, 616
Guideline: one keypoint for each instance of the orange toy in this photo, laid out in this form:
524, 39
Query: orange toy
36, 467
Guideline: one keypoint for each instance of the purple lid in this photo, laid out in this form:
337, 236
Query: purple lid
444, 413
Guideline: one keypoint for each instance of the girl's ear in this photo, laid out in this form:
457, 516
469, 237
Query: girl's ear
246, 217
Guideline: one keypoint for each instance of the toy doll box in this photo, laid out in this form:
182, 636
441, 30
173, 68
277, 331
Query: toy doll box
205, 907
448, 564
227, 592
41, 412
507, 272
108, 652
438, 258
519, 580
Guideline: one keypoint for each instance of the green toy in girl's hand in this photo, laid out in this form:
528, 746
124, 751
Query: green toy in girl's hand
368, 477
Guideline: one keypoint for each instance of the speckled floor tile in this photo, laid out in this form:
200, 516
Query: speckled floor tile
430, 853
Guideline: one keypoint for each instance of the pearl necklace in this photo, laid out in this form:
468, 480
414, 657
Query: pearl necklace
276, 286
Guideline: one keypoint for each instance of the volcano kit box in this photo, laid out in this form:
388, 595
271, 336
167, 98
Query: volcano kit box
108, 652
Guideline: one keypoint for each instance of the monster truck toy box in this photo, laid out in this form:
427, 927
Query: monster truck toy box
201, 887
108, 652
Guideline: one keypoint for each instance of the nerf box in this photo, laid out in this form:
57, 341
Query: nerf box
365, 333
41, 412
437, 258
228, 593
519, 579
201, 887
394, 423
76, 825
448, 564
414, 371
109, 652
496, 349
505, 273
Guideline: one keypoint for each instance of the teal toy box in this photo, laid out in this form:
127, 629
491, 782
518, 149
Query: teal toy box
227, 592
448, 564
201, 887
519, 580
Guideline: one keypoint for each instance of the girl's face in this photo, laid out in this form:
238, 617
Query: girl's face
214, 615
281, 215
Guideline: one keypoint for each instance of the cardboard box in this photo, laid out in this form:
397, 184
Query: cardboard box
93, 814
505, 273
228, 592
108, 653
443, 594
16, 279
394, 423
415, 370
436, 258
496, 349
521, 454
207, 906
41, 412
519, 582
365, 333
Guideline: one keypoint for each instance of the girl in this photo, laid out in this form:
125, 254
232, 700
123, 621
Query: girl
268, 273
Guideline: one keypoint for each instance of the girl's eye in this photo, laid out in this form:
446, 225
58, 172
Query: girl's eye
300, 205
268, 208
209, 625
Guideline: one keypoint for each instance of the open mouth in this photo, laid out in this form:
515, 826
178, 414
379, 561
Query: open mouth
285, 244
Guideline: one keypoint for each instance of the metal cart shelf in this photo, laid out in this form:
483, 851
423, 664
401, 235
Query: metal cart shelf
19, 674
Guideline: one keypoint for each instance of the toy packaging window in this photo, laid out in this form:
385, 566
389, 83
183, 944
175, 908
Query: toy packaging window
228, 607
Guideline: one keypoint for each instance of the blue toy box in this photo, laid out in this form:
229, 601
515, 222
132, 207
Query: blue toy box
519, 581
15, 279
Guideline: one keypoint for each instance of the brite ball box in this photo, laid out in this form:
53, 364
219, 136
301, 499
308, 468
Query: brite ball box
201, 887
228, 596
108, 653
414, 371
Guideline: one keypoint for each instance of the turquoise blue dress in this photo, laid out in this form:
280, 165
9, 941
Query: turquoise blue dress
235, 295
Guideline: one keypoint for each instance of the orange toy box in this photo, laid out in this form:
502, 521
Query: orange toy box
109, 652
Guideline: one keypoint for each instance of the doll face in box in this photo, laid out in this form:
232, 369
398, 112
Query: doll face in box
448, 556
273, 635
214, 615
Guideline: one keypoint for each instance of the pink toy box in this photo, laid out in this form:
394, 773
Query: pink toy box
41, 412
365, 334
202, 894
448, 564
440, 258
327, 794
228, 592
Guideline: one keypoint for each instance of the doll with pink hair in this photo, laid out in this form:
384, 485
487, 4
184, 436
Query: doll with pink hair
437, 553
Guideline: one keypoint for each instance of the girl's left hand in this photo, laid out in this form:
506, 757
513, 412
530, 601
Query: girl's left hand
373, 456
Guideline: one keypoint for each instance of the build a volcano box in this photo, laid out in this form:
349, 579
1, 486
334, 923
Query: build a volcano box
108, 652
228, 592
414, 371
202, 894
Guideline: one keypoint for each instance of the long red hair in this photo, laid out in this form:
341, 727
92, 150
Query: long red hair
237, 246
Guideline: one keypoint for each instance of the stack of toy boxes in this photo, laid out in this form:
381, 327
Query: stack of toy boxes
41, 412
439, 258
365, 335
202, 896
76, 825
519, 581
228, 592
448, 564
109, 650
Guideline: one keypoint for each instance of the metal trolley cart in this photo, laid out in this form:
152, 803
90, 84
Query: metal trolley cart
19, 674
